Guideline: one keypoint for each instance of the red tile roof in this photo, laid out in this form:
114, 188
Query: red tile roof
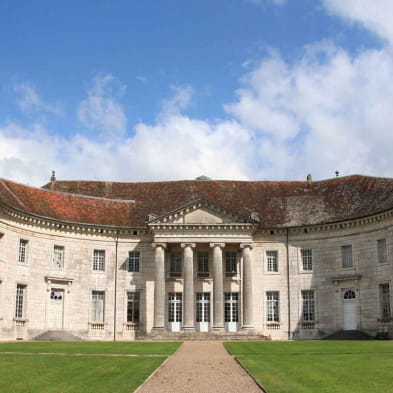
278, 203
68, 207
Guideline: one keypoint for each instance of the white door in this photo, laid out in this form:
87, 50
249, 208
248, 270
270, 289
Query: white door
231, 311
349, 310
55, 311
174, 311
203, 311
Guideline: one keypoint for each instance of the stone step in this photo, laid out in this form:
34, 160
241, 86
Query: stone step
182, 336
56, 335
349, 335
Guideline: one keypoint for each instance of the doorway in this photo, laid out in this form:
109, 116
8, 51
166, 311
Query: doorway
349, 310
56, 309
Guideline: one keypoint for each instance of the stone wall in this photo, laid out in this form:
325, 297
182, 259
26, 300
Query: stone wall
328, 279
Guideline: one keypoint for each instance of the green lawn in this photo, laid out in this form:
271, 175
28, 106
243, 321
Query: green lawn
33, 373
137, 348
305, 347
74, 374
319, 366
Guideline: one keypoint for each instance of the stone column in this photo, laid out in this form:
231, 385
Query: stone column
218, 287
247, 287
159, 286
188, 289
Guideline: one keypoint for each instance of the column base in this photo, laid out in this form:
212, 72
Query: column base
188, 329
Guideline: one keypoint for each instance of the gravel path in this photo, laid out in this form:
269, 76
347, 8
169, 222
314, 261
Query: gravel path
200, 367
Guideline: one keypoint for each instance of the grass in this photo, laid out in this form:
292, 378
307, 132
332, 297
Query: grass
136, 348
74, 374
21, 372
308, 347
319, 366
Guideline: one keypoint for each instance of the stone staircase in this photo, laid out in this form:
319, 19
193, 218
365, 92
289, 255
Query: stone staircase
349, 335
56, 335
186, 336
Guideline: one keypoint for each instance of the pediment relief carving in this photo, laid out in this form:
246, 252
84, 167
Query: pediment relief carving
201, 212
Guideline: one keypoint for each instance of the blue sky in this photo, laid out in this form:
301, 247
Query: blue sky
234, 89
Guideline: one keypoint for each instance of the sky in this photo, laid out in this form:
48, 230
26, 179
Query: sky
121, 90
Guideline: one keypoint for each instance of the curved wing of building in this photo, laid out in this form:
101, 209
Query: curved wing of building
104, 260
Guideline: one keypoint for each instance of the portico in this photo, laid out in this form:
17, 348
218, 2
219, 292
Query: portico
203, 270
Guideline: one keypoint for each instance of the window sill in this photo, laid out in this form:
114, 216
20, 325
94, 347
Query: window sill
383, 264
273, 325
272, 273
175, 275
309, 325
20, 320
306, 271
179, 279
132, 326
96, 325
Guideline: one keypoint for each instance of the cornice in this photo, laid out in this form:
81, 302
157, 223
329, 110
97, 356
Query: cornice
68, 226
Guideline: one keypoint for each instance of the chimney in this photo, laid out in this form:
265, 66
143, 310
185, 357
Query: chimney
53, 177
309, 178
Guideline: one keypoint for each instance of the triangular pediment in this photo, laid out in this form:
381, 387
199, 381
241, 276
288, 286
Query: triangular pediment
200, 212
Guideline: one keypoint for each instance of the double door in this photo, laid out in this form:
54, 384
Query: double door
175, 311
203, 311
231, 311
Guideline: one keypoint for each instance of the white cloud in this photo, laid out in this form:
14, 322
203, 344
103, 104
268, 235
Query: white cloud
180, 100
100, 110
29, 100
373, 15
328, 111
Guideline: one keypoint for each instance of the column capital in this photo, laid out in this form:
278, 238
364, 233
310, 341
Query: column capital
221, 245
184, 245
244, 245
163, 245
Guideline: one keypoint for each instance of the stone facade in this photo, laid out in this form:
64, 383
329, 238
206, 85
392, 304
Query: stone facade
196, 268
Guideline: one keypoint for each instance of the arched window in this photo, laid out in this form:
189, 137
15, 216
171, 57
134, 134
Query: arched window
349, 294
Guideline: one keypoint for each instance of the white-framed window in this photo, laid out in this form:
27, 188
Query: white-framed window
272, 261
175, 307
203, 307
97, 306
384, 298
20, 301
346, 256
133, 307
308, 306
231, 307
273, 306
307, 259
58, 257
203, 263
22, 253
99, 260
382, 251
175, 264
134, 260
230, 262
